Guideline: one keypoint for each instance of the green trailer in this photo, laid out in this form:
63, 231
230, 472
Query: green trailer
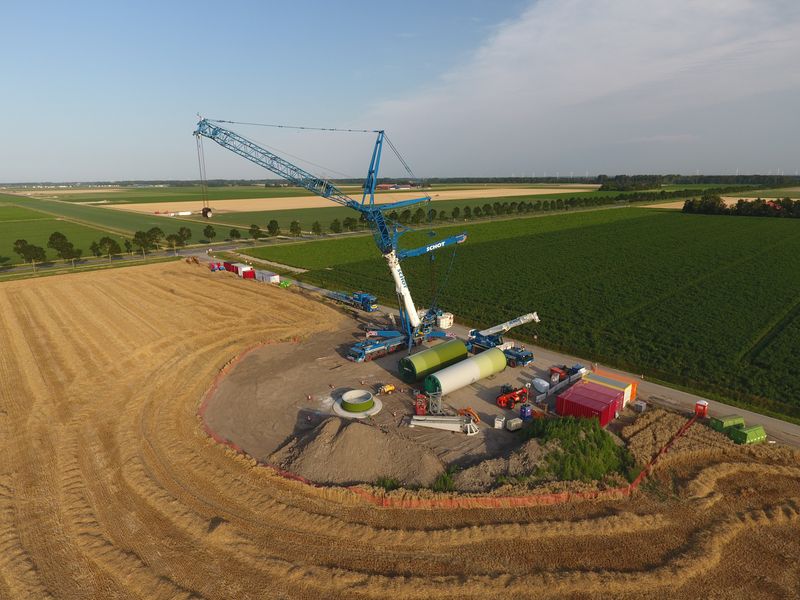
724, 424
754, 434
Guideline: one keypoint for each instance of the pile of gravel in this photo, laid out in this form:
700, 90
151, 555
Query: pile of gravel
346, 452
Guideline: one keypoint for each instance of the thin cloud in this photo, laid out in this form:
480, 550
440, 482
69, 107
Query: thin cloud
549, 87
664, 138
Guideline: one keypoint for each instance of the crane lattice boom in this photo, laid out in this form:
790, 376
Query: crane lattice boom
385, 233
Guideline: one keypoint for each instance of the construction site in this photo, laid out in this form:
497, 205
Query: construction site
307, 443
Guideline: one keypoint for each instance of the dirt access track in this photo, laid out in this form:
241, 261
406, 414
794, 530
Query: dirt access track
110, 489
255, 204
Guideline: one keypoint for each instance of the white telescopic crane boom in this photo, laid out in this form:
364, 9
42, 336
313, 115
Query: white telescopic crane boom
403, 293
503, 327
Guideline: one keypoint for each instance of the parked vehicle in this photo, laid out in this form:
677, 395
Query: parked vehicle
509, 396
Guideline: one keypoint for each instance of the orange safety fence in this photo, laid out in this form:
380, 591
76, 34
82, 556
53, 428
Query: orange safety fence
385, 501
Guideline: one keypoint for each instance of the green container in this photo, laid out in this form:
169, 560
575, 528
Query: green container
466, 372
754, 434
419, 365
723, 424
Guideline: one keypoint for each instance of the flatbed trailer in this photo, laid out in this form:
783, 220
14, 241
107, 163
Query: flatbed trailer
361, 300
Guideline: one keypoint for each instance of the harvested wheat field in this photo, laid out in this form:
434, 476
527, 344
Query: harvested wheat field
291, 202
110, 489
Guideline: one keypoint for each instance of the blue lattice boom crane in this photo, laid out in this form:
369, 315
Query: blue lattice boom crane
385, 232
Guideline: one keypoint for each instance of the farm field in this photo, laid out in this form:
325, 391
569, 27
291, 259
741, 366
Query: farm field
140, 195
107, 220
788, 192
109, 488
325, 215
694, 300
313, 201
12, 213
35, 227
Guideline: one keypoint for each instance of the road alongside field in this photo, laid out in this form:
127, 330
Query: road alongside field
654, 393
662, 395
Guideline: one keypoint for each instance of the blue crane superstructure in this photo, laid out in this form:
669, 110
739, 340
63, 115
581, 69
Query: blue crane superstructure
385, 232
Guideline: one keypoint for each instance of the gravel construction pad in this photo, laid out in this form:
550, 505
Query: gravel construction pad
281, 392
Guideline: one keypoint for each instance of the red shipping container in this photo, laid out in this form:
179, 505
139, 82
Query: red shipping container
249, 274
589, 400
228, 266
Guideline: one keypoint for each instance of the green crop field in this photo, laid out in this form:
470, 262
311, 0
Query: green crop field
11, 213
136, 195
37, 231
707, 302
792, 192
109, 220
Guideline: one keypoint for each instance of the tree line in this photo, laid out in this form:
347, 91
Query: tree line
487, 210
142, 241
713, 204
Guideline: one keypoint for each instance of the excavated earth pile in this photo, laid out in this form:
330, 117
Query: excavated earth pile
345, 452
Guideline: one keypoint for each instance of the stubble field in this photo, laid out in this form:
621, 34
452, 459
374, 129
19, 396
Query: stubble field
109, 487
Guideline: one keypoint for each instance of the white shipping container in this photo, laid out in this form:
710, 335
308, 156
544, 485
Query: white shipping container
267, 276
499, 422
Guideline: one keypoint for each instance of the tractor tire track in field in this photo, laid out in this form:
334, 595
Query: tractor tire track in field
110, 488
769, 333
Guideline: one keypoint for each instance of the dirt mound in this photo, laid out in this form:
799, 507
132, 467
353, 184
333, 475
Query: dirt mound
489, 473
348, 452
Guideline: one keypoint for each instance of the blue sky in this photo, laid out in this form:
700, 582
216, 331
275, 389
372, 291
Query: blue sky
110, 90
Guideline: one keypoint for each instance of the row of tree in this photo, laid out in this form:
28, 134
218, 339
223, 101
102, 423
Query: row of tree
409, 217
713, 204
142, 241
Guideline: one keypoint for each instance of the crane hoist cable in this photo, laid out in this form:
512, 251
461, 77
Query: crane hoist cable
303, 160
401, 159
201, 163
341, 129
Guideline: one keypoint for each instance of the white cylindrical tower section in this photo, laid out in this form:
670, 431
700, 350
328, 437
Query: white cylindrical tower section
402, 288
